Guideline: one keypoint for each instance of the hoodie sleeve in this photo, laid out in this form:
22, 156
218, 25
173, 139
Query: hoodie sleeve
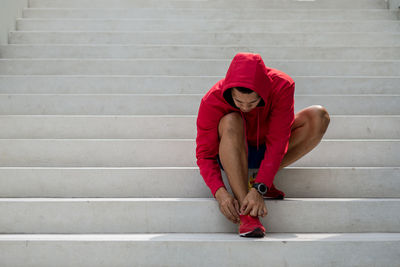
279, 125
207, 147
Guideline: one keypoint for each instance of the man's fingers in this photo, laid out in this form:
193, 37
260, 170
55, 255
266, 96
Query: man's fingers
242, 209
247, 209
233, 212
236, 203
261, 211
254, 211
228, 214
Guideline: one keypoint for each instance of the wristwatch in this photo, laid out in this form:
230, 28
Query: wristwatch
261, 188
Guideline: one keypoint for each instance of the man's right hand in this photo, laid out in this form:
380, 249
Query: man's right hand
228, 205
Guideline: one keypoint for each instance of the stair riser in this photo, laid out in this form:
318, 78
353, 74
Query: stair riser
193, 216
189, 67
185, 84
355, 4
126, 253
133, 104
208, 26
157, 153
221, 38
226, 13
187, 182
374, 127
205, 52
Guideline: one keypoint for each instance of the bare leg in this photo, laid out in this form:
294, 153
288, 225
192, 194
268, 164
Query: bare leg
232, 153
308, 129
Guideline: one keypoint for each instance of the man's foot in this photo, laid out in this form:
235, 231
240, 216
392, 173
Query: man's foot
250, 226
274, 193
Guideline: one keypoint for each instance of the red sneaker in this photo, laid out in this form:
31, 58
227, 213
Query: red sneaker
250, 226
274, 193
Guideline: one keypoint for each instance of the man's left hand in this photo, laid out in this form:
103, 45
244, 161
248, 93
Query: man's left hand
254, 204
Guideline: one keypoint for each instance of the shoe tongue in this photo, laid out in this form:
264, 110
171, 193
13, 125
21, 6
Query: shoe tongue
247, 217
243, 217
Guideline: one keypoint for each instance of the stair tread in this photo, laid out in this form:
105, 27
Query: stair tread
227, 237
166, 199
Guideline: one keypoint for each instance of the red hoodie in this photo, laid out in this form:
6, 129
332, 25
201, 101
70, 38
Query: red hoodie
270, 122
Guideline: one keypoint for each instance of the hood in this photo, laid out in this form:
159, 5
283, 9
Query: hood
248, 70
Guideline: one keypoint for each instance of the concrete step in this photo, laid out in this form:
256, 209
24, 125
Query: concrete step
165, 126
186, 182
198, 51
225, 25
89, 216
354, 4
157, 153
203, 38
58, 185
190, 66
178, 104
197, 249
211, 13
153, 84
193, 215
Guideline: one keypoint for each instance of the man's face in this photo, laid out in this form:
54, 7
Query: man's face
245, 102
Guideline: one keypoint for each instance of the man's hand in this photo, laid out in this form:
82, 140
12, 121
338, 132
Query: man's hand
254, 204
228, 205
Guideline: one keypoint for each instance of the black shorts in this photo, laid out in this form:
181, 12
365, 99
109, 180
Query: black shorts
254, 157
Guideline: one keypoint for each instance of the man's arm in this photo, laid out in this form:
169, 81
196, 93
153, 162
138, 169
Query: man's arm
207, 147
279, 125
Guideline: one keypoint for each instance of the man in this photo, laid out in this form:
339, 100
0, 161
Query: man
246, 120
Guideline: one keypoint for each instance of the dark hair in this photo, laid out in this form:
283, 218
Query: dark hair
228, 95
243, 90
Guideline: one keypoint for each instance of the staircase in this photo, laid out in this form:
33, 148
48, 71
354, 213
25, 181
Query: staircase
98, 105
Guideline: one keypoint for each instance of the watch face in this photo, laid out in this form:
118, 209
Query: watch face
262, 188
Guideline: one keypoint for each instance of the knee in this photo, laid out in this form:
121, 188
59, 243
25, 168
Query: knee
231, 124
319, 119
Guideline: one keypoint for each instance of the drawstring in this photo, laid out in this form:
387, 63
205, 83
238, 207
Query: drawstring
245, 132
258, 123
